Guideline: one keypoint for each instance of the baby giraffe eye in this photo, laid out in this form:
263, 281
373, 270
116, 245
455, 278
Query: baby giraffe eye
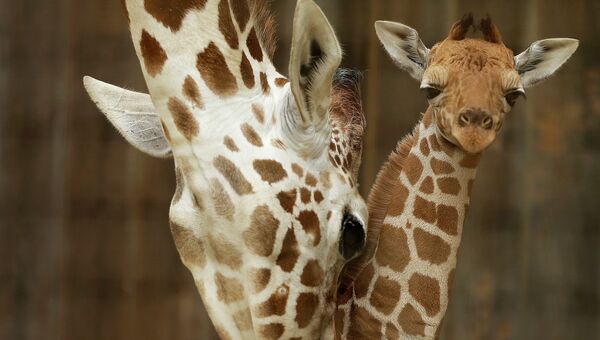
512, 96
353, 236
431, 91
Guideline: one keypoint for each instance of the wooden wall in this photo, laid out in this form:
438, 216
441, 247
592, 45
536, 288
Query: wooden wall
85, 250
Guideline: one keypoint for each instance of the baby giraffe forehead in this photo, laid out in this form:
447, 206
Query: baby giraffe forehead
472, 55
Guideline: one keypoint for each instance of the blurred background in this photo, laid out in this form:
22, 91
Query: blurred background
85, 248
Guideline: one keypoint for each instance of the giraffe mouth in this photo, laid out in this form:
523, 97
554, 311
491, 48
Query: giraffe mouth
474, 140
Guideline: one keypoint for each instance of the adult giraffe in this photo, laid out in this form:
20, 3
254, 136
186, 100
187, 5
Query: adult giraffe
399, 287
266, 209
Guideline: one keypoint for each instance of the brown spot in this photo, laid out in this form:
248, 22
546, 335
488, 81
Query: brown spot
153, 54
251, 135
311, 225
297, 169
441, 167
340, 314
247, 72
310, 180
447, 217
391, 332
178, 186
364, 324
431, 247
413, 168
226, 25
411, 322
287, 200
228, 289
243, 320
241, 13
424, 210
470, 161
399, 196
424, 147
183, 118
215, 72
393, 248
305, 195
278, 143
276, 303
312, 275
361, 285
264, 83
269, 170
233, 175
221, 200
328, 215
449, 185
192, 92
260, 236
225, 252
280, 82
259, 278
289, 252
258, 113
426, 291
435, 145
172, 13
305, 308
230, 144
385, 295
254, 46
272, 331
318, 196
190, 248
427, 186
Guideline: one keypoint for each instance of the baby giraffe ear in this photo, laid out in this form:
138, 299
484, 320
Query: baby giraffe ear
543, 58
314, 57
132, 114
404, 46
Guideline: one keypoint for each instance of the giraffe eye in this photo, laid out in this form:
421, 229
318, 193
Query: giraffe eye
512, 96
431, 91
353, 236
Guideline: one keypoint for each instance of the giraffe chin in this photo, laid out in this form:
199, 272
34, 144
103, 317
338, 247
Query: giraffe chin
474, 140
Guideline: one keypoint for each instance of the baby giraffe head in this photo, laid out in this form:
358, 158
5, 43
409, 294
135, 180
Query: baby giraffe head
471, 84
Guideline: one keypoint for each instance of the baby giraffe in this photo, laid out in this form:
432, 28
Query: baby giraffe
399, 287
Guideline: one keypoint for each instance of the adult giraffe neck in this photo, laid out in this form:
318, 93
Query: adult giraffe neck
417, 209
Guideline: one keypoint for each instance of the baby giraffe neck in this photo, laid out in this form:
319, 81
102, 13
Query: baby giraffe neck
417, 210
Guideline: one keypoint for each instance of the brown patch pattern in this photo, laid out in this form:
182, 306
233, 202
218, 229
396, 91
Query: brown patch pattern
449, 185
312, 275
276, 303
221, 200
427, 186
272, 331
287, 200
241, 13
247, 72
177, 10
441, 167
190, 248
258, 113
306, 306
280, 82
289, 253
411, 322
264, 83
426, 291
413, 168
393, 249
447, 217
425, 210
254, 46
251, 135
225, 252
215, 72
226, 25
192, 92
260, 236
153, 53
230, 144
311, 225
431, 247
269, 170
229, 290
183, 118
385, 295
259, 278
233, 175
399, 196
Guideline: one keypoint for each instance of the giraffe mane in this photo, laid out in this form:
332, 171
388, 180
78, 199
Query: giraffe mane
265, 25
378, 203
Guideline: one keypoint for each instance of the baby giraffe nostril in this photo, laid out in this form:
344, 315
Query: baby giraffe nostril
487, 123
464, 119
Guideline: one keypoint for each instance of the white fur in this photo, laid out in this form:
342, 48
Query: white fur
550, 54
132, 114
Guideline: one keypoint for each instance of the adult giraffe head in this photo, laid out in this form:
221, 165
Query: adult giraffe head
471, 84
266, 209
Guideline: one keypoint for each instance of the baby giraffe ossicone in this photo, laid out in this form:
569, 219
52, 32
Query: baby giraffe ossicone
399, 287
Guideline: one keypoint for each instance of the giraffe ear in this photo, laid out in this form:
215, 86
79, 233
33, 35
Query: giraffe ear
405, 47
132, 114
314, 57
543, 58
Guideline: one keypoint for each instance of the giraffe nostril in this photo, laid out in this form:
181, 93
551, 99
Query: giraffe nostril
487, 123
464, 119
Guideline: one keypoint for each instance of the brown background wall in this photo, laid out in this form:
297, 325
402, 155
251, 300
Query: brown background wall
85, 251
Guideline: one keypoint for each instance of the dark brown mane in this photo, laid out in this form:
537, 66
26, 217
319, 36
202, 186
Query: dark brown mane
264, 24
